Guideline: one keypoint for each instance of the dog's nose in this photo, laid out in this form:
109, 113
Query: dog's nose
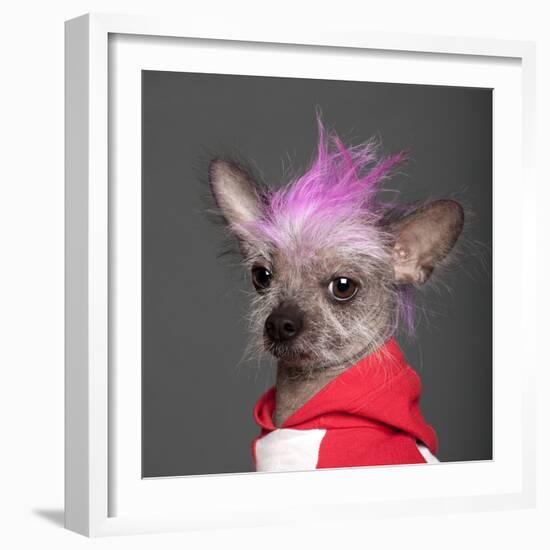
284, 323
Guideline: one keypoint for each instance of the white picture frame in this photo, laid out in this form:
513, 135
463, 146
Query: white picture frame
104, 491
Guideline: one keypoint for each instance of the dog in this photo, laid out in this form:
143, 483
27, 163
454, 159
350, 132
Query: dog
334, 267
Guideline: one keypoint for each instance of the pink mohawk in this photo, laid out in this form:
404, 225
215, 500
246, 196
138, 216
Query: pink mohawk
333, 202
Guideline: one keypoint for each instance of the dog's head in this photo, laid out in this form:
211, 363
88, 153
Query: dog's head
332, 265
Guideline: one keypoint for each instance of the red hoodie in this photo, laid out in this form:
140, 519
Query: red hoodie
368, 415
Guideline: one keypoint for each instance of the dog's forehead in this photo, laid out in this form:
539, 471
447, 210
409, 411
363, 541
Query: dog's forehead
298, 266
308, 250
290, 261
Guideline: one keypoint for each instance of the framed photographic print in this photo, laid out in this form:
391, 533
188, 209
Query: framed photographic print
355, 351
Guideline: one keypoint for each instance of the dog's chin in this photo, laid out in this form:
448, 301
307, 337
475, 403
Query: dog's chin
289, 353
293, 355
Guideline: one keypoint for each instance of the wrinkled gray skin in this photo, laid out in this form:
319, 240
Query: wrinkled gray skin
335, 334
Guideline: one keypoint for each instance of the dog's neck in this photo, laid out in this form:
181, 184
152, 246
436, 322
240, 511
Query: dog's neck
295, 385
294, 388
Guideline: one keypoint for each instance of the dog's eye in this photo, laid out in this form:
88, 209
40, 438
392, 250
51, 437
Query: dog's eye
342, 288
261, 278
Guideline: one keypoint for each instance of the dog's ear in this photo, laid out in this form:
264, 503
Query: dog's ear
423, 238
236, 194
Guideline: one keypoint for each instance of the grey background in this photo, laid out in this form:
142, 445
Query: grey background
197, 393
